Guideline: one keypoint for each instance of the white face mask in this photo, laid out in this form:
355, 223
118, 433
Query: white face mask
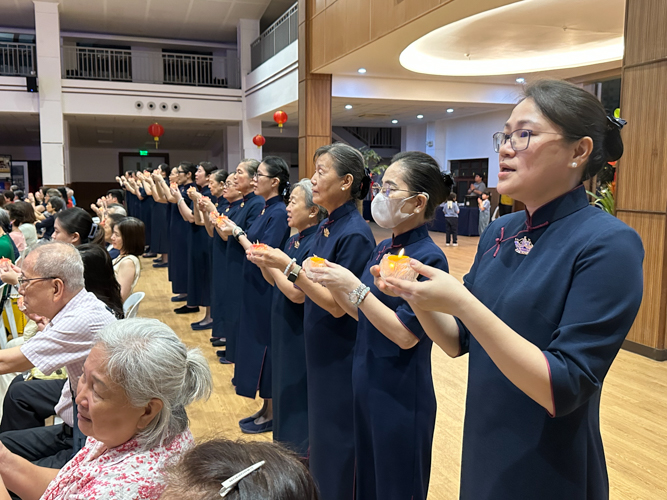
387, 211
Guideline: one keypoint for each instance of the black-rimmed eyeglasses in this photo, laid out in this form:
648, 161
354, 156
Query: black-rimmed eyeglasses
258, 175
519, 139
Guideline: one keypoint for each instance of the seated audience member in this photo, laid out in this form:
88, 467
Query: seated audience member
29, 401
108, 224
18, 195
70, 196
52, 287
53, 206
115, 208
128, 238
7, 245
76, 226
131, 400
115, 196
9, 196
205, 472
22, 215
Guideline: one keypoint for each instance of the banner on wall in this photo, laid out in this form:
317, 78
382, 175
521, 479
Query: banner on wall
5, 165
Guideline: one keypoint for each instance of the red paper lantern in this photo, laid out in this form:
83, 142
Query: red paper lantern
280, 117
259, 140
156, 130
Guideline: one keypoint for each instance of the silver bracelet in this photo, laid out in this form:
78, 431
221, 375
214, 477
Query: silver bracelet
286, 271
362, 295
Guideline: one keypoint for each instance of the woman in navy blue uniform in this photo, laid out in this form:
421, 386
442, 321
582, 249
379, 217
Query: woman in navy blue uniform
288, 349
199, 249
146, 207
252, 369
159, 216
346, 239
219, 254
250, 207
178, 230
541, 313
394, 398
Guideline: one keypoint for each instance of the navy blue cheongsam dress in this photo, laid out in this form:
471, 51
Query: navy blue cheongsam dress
146, 214
160, 228
199, 262
250, 207
288, 353
553, 278
178, 234
219, 300
346, 239
394, 399
252, 371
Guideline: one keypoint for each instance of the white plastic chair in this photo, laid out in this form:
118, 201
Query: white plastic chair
131, 305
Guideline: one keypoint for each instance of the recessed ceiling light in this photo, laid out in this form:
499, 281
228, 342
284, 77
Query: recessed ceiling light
361, 70
520, 80
419, 117
348, 106
450, 110
394, 121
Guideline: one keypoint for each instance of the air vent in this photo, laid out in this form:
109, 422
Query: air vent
151, 105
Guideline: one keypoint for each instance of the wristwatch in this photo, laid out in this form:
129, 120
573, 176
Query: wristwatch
237, 232
294, 273
357, 296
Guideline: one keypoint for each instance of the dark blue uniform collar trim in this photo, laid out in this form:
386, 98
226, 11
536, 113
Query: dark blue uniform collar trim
409, 237
236, 203
272, 201
556, 209
308, 230
249, 196
341, 211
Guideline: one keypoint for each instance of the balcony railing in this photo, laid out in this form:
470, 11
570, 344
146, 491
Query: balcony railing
17, 59
278, 36
142, 66
376, 137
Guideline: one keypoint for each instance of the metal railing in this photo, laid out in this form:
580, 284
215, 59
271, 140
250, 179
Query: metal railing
377, 137
150, 66
17, 59
275, 38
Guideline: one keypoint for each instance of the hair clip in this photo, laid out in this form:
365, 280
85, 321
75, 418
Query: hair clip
619, 123
229, 485
93, 231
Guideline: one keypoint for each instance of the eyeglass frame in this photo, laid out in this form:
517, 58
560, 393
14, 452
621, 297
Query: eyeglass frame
509, 136
21, 280
257, 175
388, 190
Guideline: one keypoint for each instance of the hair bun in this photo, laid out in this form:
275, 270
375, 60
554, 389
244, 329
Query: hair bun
613, 144
364, 187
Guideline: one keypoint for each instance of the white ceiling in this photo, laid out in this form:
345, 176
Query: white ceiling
206, 20
19, 129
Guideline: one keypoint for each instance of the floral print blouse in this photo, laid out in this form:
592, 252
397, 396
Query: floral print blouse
125, 472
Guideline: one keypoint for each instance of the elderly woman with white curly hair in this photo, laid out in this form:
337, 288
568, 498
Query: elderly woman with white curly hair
131, 400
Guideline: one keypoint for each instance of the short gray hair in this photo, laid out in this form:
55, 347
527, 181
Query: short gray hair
148, 360
59, 260
116, 208
5, 221
307, 187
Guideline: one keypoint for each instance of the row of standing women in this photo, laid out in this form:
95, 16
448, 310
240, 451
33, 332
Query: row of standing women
354, 361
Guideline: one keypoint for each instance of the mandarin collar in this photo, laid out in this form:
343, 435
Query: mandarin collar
272, 201
342, 211
308, 231
556, 209
409, 237
236, 203
248, 196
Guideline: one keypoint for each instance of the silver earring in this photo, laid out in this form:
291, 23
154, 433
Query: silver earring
342, 189
574, 164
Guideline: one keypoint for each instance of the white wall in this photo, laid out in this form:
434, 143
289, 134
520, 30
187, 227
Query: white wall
468, 138
101, 164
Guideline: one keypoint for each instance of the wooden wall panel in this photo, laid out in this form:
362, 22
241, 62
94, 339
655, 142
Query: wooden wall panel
643, 168
318, 40
358, 24
646, 31
315, 7
649, 327
334, 31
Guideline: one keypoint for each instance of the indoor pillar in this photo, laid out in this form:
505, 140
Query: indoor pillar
641, 197
314, 96
247, 32
51, 124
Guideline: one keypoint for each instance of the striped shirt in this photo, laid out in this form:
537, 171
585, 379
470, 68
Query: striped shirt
66, 341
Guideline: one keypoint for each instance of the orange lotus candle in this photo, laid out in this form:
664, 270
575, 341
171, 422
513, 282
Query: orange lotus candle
316, 261
397, 266
259, 246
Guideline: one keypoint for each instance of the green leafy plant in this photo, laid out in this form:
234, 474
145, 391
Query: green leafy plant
605, 200
372, 161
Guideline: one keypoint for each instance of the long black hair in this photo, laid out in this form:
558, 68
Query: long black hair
100, 278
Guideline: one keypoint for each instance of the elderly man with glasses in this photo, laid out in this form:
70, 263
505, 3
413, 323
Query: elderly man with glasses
52, 287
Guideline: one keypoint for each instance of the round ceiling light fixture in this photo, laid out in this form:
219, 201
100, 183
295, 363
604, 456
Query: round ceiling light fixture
495, 42
348, 106
361, 71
